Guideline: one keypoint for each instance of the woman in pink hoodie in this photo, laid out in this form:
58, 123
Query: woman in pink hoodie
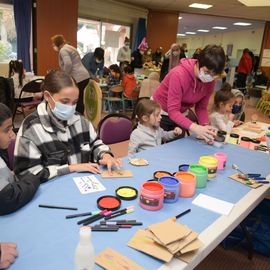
189, 84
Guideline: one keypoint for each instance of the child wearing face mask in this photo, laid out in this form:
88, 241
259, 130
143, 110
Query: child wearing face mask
55, 140
148, 133
222, 117
114, 75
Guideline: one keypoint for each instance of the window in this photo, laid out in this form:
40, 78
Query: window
8, 38
110, 37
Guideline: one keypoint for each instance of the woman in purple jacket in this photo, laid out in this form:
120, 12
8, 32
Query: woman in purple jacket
189, 84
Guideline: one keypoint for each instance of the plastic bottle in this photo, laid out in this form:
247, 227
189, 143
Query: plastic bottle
267, 139
84, 254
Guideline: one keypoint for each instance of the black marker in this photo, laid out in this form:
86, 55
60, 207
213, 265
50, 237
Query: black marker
57, 207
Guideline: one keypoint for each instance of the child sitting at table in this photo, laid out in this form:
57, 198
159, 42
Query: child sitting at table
129, 82
14, 192
148, 133
222, 117
114, 75
20, 78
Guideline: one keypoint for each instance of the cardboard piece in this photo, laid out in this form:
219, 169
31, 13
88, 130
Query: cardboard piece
142, 241
117, 174
169, 231
111, 260
187, 257
138, 161
253, 184
194, 245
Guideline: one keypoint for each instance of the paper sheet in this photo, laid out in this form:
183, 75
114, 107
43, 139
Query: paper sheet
88, 184
213, 204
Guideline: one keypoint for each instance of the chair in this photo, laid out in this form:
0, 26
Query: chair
133, 97
30, 87
114, 130
110, 99
92, 102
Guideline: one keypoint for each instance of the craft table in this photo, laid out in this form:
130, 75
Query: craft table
47, 241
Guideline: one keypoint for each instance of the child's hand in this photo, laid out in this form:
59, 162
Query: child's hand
177, 131
237, 123
231, 117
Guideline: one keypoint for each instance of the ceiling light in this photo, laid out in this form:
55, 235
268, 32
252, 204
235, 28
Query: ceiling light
181, 35
242, 24
203, 30
257, 3
190, 33
219, 27
180, 18
197, 5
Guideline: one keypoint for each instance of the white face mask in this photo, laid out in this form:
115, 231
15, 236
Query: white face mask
176, 53
141, 52
98, 61
126, 45
205, 78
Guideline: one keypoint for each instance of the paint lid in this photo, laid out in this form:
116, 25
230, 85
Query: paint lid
108, 202
221, 133
198, 169
245, 139
183, 167
168, 181
126, 193
233, 135
159, 174
255, 141
153, 186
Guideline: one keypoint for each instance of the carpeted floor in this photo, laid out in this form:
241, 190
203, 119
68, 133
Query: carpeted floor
233, 259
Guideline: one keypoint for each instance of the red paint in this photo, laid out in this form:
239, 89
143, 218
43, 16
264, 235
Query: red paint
152, 186
109, 203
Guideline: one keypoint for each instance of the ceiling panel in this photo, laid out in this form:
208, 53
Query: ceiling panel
228, 8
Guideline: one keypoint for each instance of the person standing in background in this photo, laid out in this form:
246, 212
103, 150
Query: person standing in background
94, 63
171, 59
124, 54
70, 62
243, 69
183, 50
157, 57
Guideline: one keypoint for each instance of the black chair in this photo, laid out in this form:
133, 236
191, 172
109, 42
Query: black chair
31, 87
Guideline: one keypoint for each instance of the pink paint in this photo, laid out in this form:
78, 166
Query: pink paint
222, 159
151, 196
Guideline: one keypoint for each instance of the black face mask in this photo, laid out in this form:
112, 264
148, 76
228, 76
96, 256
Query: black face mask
236, 109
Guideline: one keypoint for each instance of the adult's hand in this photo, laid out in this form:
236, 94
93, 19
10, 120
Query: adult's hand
85, 167
8, 254
205, 132
109, 161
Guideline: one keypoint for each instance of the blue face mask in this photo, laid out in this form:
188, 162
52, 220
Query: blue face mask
63, 111
236, 109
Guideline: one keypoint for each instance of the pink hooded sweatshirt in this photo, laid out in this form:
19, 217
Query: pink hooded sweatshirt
181, 90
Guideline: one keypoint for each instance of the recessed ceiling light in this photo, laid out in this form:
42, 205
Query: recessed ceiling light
219, 27
203, 30
197, 5
190, 33
181, 35
180, 18
257, 3
242, 23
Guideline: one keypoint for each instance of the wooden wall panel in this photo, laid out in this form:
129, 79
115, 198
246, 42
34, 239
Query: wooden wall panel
53, 17
161, 29
266, 45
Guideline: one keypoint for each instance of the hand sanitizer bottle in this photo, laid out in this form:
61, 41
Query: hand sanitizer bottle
84, 254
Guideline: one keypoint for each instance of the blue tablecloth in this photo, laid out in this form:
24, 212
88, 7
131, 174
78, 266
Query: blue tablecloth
47, 241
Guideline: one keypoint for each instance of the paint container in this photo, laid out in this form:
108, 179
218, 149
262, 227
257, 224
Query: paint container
187, 183
254, 144
233, 138
171, 188
183, 167
151, 196
201, 173
210, 163
245, 142
222, 159
126, 193
159, 174
108, 202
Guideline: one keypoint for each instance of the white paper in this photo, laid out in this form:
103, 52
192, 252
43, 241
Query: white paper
213, 204
88, 184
